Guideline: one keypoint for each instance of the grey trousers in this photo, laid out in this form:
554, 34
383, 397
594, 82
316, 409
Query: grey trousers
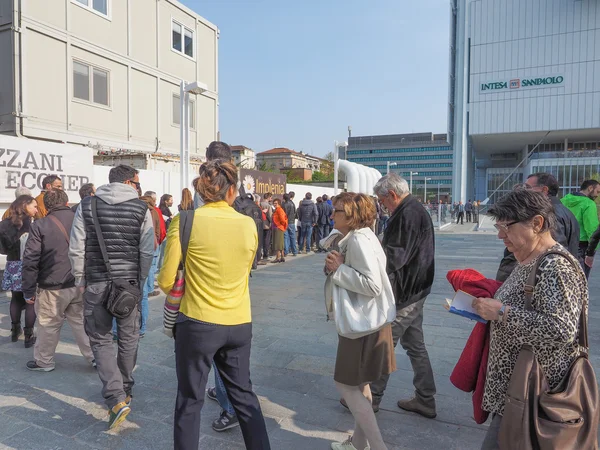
408, 329
116, 374
491, 438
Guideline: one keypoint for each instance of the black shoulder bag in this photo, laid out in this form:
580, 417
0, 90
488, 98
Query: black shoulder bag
123, 295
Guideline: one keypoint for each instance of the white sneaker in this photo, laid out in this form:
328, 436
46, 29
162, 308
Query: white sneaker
346, 445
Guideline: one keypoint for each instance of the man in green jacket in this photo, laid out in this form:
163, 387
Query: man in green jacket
583, 207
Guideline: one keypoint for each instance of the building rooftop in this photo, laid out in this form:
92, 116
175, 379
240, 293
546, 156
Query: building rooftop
240, 148
404, 139
279, 150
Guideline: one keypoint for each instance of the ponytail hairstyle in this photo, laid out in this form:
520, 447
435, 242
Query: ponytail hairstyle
216, 177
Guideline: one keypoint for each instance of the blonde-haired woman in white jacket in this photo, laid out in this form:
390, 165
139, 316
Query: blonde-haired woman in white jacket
360, 299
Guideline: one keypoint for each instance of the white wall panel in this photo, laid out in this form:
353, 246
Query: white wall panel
596, 110
529, 39
589, 111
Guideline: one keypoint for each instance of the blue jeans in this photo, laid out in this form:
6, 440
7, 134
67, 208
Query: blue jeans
306, 235
148, 288
289, 239
222, 397
161, 256
322, 230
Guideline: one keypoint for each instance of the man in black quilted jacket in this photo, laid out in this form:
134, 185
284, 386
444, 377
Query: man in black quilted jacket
126, 226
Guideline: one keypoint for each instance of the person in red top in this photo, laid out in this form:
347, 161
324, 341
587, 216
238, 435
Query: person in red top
280, 220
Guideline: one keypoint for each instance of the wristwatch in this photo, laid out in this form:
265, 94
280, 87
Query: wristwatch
501, 313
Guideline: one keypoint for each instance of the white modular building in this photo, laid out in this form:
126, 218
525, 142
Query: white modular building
524, 93
106, 73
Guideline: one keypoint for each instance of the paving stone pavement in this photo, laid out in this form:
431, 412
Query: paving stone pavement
293, 359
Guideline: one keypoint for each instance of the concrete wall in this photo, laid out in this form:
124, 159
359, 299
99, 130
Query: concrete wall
519, 39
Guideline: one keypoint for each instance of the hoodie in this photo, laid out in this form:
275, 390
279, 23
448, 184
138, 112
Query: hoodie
585, 211
112, 194
307, 212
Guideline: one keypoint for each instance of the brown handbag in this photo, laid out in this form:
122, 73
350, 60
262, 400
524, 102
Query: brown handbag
537, 418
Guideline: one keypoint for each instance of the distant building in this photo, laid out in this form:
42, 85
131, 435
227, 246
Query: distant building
426, 155
284, 158
243, 157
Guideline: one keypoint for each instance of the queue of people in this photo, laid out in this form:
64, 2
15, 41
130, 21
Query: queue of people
93, 267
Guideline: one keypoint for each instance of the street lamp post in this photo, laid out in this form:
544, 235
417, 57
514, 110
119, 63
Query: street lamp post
425, 193
438, 193
411, 175
390, 164
336, 158
185, 89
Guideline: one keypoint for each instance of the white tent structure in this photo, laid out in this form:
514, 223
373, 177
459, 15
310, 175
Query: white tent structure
360, 179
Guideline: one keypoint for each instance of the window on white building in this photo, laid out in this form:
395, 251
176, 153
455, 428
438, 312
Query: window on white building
177, 112
183, 39
98, 6
90, 84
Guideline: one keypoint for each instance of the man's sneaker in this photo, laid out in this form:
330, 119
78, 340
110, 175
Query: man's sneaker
225, 422
346, 445
32, 365
94, 365
128, 400
374, 405
117, 415
414, 405
212, 393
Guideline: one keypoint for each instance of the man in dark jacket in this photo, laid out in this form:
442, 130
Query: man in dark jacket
308, 216
126, 226
409, 245
325, 210
567, 227
290, 234
46, 266
87, 190
328, 226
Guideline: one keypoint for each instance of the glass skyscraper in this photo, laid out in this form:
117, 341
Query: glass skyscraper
426, 155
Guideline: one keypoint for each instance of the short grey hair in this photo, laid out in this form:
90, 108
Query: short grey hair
391, 182
22, 190
522, 205
257, 198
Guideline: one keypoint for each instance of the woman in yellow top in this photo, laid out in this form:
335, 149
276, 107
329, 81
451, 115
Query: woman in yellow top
214, 319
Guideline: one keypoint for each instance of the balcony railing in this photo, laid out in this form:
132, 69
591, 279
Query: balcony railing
570, 154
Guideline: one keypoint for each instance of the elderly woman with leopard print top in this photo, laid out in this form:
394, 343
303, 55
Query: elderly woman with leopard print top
524, 220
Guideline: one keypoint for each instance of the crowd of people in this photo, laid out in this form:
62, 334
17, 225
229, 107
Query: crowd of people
94, 265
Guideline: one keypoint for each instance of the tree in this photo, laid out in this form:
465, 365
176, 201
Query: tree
264, 167
329, 156
320, 176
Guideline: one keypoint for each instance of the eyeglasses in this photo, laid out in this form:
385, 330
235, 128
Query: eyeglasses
504, 226
338, 210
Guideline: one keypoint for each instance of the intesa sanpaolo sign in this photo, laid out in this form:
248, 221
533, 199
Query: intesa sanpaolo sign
516, 84
25, 162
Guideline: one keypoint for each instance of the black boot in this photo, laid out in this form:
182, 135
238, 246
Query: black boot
15, 331
29, 337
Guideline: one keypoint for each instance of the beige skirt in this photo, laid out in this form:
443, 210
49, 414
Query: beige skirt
366, 359
278, 240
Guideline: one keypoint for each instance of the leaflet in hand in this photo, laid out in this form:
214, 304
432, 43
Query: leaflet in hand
461, 305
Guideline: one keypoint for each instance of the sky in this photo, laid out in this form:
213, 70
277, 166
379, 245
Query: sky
296, 74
